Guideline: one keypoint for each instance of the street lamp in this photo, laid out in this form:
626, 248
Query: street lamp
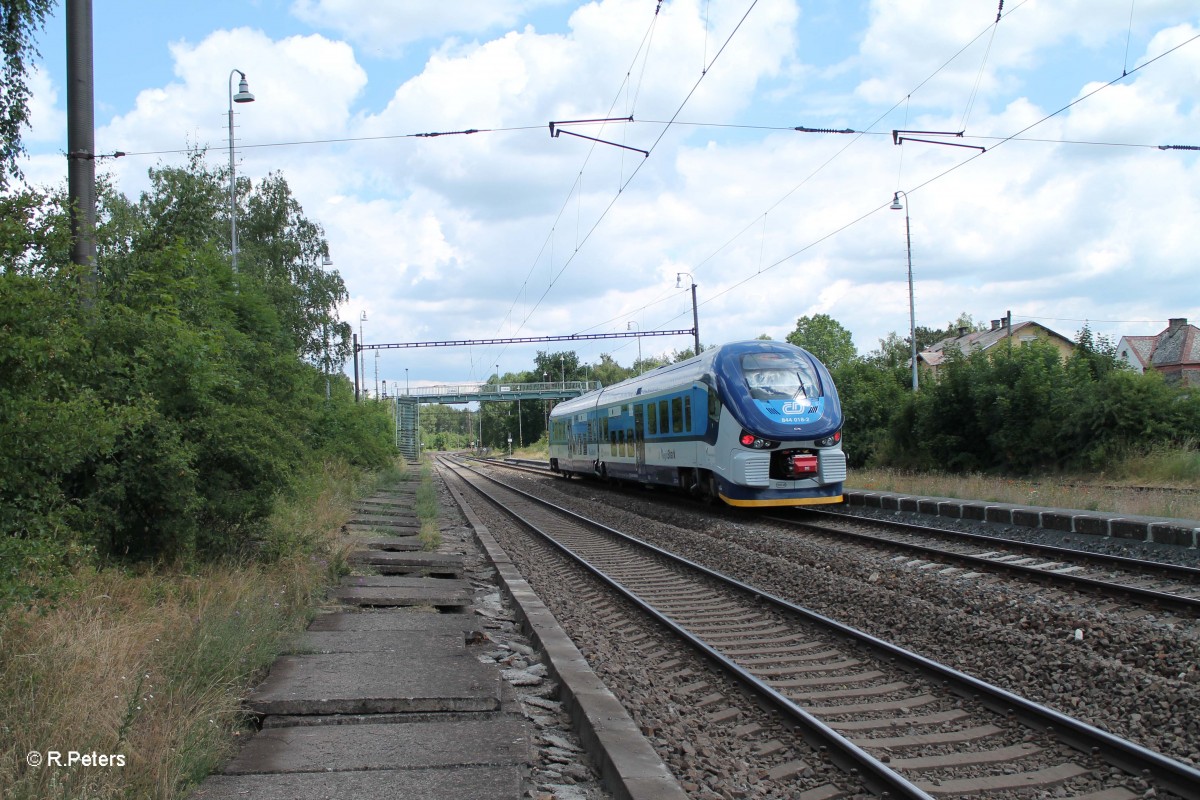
639, 338
243, 96
912, 313
695, 314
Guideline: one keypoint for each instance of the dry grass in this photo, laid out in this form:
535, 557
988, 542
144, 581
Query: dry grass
150, 667
153, 666
1091, 493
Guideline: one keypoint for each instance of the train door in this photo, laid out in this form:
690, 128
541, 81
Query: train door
639, 437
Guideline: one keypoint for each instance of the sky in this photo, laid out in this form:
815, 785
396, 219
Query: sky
1057, 203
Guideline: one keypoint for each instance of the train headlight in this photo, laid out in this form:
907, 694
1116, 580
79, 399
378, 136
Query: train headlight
829, 441
748, 439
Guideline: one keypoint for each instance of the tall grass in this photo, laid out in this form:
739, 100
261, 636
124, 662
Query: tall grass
152, 666
425, 504
1168, 466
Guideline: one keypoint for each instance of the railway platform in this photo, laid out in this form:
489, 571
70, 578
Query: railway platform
390, 693
1180, 532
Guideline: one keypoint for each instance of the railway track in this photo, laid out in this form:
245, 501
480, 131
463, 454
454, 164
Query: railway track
899, 723
1120, 579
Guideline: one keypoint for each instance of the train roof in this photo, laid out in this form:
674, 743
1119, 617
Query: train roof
698, 369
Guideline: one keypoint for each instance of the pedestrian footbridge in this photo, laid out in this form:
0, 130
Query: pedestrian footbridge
484, 392
407, 414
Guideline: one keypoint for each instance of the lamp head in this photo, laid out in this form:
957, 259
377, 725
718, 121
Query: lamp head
326, 261
896, 206
243, 93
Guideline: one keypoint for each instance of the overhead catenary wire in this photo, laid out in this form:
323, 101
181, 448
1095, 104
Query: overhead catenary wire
982, 67
675, 121
541, 127
851, 223
576, 189
612, 202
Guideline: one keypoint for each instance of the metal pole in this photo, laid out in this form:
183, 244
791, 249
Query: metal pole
912, 311
354, 340
695, 320
232, 178
362, 340
81, 137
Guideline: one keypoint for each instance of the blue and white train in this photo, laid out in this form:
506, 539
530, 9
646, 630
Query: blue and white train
753, 423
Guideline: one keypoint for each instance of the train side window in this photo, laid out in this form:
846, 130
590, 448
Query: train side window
687, 414
664, 414
677, 415
651, 419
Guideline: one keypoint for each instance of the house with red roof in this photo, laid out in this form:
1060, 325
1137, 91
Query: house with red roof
1175, 352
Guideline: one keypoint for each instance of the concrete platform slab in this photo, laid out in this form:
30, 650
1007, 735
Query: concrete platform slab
387, 512
395, 563
387, 531
404, 495
453, 743
404, 644
406, 544
385, 508
398, 591
376, 683
461, 783
405, 582
386, 520
396, 620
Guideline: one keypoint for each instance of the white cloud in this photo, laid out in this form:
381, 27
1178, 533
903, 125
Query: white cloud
47, 122
500, 234
387, 27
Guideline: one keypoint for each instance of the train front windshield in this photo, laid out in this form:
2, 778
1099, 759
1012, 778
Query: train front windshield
779, 376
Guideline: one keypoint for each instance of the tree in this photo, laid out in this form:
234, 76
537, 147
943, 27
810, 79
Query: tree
870, 396
286, 251
162, 419
893, 352
19, 21
608, 371
825, 338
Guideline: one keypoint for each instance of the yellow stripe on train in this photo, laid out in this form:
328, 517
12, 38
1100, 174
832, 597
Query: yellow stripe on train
795, 501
